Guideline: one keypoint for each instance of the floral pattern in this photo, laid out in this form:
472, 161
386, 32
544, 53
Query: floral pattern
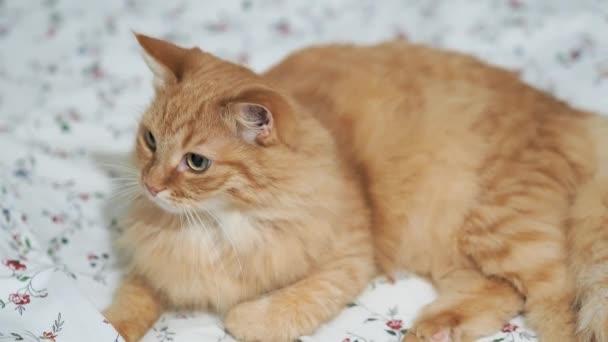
72, 84
23, 295
27, 335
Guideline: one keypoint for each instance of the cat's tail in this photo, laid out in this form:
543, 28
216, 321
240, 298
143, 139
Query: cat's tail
588, 242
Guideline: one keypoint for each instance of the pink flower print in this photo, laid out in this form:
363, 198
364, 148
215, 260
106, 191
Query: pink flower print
15, 265
96, 70
507, 328
283, 28
346, 340
220, 26
19, 299
395, 324
47, 335
516, 4
51, 31
400, 35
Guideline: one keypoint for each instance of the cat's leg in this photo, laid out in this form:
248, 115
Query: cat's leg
298, 309
134, 310
528, 249
588, 238
469, 306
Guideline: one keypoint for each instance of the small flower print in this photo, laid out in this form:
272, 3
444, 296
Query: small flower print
19, 299
283, 28
15, 265
395, 324
507, 328
27, 335
47, 335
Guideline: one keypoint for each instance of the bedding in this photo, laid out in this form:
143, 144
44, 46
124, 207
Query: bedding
72, 84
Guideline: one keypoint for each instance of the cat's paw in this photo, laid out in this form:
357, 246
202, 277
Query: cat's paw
442, 335
441, 327
130, 330
258, 320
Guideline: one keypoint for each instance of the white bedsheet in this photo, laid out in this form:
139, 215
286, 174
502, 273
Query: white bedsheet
72, 84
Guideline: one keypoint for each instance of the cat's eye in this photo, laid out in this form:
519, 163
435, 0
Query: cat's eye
150, 141
197, 163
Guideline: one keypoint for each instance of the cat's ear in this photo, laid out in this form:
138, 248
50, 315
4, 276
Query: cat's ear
264, 117
167, 61
255, 123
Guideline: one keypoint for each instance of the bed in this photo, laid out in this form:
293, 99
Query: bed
72, 85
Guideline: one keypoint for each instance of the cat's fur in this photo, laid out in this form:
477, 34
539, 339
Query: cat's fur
494, 191
276, 234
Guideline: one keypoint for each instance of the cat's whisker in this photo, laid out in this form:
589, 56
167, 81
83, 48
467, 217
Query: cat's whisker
117, 164
119, 167
125, 192
124, 182
190, 217
209, 236
123, 174
121, 184
127, 189
135, 195
117, 188
132, 178
225, 231
181, 220
123, 178
122, 198
212, 216
125, 169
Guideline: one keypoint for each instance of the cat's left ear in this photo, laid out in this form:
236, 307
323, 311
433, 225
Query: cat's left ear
167, 61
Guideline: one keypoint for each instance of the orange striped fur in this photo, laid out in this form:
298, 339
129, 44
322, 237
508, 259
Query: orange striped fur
447, 167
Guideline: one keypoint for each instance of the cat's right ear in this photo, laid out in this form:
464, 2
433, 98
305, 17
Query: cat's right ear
167, 61
264, 116
255, 123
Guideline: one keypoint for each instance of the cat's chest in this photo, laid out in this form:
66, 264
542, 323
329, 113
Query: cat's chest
207, 241
200, 264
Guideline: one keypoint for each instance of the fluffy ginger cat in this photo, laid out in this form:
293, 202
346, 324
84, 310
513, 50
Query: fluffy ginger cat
265, 194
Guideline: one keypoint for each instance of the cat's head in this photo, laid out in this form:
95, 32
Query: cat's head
213, 132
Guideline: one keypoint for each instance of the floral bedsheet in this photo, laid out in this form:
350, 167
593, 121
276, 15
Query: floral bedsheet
72, 84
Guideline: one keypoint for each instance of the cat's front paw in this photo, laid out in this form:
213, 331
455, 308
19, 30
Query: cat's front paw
435, 328
131, 330
259, 320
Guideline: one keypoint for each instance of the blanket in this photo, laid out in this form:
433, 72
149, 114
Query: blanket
72, 85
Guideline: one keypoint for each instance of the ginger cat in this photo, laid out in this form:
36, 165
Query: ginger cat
259, 191
247, 211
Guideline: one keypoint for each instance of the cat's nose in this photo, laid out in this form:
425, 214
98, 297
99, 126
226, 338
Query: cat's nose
153, 190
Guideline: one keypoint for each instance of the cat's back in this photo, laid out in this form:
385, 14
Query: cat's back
384, 96
432, 131
396, 93
393, 61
